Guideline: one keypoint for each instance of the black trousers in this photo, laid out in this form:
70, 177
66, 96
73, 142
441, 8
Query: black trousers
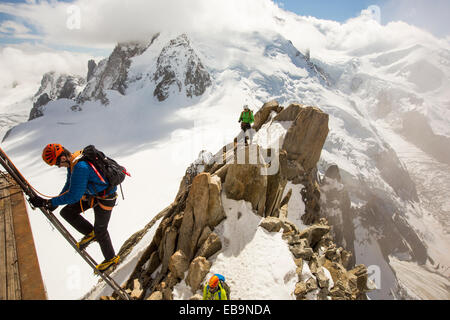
72, 214
247, 126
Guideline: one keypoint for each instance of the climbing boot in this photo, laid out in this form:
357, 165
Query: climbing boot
86, 240
105, 265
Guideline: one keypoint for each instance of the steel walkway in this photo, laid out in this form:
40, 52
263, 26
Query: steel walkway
20, 274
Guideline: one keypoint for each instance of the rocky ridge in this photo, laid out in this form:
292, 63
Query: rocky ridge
53, 87
178, 69
111, 73
185, 238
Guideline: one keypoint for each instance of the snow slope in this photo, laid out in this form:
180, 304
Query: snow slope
257, 264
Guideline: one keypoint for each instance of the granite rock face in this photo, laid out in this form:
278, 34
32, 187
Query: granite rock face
55, 86
179, 69
111, 73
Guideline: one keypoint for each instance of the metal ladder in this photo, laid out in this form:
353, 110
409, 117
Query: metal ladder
28, 190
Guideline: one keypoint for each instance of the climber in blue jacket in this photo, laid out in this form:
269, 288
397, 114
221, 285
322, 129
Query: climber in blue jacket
85, 188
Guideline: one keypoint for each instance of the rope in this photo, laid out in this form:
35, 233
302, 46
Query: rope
35, 190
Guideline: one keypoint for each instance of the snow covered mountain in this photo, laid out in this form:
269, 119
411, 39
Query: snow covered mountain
54, 87
156, 105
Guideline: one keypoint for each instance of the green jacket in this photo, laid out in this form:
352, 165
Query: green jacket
247, 117
218, 295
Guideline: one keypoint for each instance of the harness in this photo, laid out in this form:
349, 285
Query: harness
76, 156
92, 203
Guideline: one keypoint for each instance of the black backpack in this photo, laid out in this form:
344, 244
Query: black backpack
109, 168
226, 287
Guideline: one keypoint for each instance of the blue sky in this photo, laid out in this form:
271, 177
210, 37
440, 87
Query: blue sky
431, 15
338, 10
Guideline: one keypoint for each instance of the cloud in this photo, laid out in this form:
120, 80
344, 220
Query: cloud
364, 35
12, 27
334, 41
429, 15
101, 23
27, 63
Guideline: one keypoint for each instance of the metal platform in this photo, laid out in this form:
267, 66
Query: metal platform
20, 274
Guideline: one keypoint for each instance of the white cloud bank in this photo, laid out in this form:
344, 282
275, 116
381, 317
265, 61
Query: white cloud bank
25, 64
103, 22
425, 14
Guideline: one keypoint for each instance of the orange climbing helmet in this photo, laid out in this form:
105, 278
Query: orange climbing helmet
51, 153
213, 281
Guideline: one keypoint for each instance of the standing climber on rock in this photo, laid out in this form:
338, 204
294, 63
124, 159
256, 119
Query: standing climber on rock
246, 119
216, 288
85, 188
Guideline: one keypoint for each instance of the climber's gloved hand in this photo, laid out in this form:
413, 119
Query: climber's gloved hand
50, 206
39, 202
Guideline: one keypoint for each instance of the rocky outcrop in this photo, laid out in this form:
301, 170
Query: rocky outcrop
37, 111
179, 69
290, 113
264, 112
111, 73
203, 209
321, 267
91, 67
59, 86
178, 264
183, 240
305, 138
335, 206
53, 87
244, 182
198, 269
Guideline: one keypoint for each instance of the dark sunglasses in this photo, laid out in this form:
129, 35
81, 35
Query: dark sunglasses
58, 161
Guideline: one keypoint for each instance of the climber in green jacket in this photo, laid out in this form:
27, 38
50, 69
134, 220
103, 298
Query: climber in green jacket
246, 119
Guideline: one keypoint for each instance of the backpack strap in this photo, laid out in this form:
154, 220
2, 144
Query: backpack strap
96, 172
76, 156
209, 296
104, 192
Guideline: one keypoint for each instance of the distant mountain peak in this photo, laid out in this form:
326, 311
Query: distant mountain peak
112, 73
178, 67
55, 86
